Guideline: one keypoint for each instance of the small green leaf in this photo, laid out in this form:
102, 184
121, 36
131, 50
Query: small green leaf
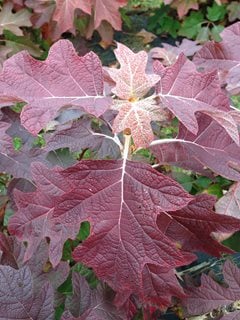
202, 182
39, 141
17, 143
84, 231
87, 273
216, 12
191, 26
216, 190
215, 33
203, 34
66, 287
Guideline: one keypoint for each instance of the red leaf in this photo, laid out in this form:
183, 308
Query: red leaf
193, 226
122, 201
63, 80
108, 10
12, 254
210, 147
223, 56
213, 296
79, 136
91, 303
185, 92
17, 299
183, 6
64, 15
17, 162
131, 84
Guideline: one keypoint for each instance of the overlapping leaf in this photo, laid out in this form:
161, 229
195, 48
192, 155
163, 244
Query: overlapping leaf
186, 92
223, 56
131, 85
192, 227
229, 204
183, 6
133, 240
121, 201
12, 161
80, 136
63, 80
210, 148
86, 303
63, 12
64, 15
17, 299
223, 299
13, 21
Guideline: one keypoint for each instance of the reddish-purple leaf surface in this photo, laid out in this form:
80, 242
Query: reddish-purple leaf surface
229, 204
185, 92
121, 200
224, 57
63, 80
131, 85
64, 15
210, 147
17, 298
168, 54
17, 162
192, 226
91, 304
13, 256
213, 296
80, 136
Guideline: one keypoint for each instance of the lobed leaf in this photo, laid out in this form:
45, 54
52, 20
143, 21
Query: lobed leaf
210, 148
224, 57
186, 92
213, 296
63, 80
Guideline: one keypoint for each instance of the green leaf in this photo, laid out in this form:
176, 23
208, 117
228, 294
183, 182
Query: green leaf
215, 33
216, 12
216, 190
17, 143
67, 251
84, 231
87, 273
203, 34
39, 141
191, 26
66, 287
202, 182
169, 25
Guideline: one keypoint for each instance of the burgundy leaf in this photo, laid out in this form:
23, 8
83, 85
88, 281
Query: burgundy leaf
122, 200
80, 136
192, 226
213, 296
186, 92
63, 80
17, 162
13, 255
224, 57
17, 299
91, 303
108, 10
210, 147
64, 15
